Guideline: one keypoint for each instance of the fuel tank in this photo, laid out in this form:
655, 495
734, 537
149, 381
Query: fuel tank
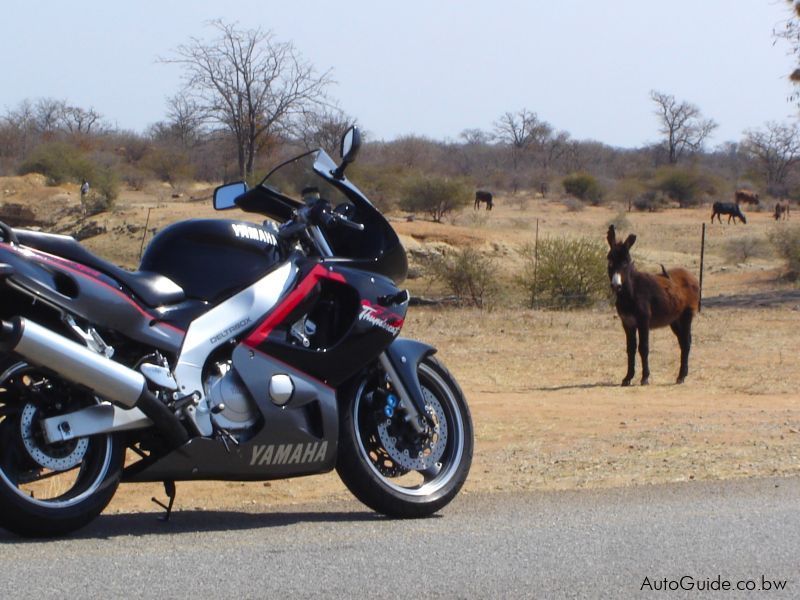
212, 259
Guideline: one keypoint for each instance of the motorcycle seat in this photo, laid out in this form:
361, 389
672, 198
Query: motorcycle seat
151, 288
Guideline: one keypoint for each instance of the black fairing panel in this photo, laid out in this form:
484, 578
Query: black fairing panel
356, 316
292, 441
212, 259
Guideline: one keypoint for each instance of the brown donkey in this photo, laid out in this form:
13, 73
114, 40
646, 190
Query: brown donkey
646, 302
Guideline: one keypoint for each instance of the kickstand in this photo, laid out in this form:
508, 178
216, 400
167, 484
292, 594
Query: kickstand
169, 489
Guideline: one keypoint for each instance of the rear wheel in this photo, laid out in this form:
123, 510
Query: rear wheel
49, 489
391, 467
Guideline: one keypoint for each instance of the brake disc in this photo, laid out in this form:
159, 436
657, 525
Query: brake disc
57, 457
420, 454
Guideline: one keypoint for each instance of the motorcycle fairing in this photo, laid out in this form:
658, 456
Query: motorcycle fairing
369, 316
82, 291
222, 323
299, 439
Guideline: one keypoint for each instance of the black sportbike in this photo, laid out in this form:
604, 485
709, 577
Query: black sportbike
236, 352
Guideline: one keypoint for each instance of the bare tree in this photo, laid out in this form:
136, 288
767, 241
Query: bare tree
184, 120
776, 149
324, 128
682, 124
791, 33
475, 137
80, 120
49, 114
249, 83
521, 131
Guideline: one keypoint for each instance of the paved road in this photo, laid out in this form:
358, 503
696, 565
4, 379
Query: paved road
539, 545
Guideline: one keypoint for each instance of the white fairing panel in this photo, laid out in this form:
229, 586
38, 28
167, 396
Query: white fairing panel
224, 322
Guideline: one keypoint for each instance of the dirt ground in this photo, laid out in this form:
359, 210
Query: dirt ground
543, 386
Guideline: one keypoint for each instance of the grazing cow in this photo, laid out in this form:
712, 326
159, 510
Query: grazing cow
483, 196
746, 197
781, 209
727, 208
645, 301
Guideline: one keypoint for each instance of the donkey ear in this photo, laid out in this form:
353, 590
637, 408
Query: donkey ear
629, 241
612, 236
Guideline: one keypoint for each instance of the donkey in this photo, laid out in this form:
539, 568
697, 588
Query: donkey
483, 196
781, 210
727, 208
646, 301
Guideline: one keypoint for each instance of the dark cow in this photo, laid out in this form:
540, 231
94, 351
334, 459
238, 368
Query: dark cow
746, 197
727, 208
483, 196
781, 209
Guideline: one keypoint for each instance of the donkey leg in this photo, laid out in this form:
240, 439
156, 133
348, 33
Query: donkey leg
644, 351
683, 329
630, 339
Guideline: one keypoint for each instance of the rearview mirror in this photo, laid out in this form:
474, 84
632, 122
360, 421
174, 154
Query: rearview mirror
225, 195
351, 143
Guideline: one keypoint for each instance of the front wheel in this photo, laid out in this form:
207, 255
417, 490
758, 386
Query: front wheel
387, 464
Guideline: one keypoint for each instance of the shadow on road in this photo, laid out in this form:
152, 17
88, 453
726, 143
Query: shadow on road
194, 521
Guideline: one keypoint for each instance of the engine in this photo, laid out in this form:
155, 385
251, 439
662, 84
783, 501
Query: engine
231, 407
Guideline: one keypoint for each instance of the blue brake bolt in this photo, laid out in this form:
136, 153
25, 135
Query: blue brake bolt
391, 402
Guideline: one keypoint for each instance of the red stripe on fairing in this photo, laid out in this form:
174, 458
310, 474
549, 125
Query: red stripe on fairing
289, 303
84, 271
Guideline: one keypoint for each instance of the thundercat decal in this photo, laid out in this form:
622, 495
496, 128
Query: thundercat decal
251, 232
380, 317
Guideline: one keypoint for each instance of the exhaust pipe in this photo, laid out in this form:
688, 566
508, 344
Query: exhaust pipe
76, 363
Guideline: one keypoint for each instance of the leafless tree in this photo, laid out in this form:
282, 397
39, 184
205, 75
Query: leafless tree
682, 124
20, 130
474, 137
80, 120
184, 120
49, 115
522, 131
790, 31
323, 128
249, 83
776, 149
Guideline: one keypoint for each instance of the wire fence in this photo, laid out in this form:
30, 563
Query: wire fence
763, 292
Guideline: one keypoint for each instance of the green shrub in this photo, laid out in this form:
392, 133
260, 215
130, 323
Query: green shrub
685, 186
787, 243
436, 196
168, 165
565, 273
620, 221
740, 249
59, 162
573, 204
650, 201
468, 275
583, 186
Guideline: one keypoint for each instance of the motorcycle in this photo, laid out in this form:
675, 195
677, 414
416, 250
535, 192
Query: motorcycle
237, 351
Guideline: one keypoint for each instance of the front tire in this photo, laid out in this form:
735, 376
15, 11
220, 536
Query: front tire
389, 467
49, 489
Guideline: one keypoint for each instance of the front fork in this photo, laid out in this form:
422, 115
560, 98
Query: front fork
400, 362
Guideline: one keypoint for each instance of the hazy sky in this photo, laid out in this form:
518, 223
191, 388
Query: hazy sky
431, 67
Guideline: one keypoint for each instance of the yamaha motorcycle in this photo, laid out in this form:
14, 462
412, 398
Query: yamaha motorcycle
236, 352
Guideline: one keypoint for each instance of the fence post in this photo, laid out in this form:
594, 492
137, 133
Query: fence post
535, 266
702, 258
144, 235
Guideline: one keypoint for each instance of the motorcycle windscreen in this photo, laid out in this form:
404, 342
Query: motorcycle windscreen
377, 248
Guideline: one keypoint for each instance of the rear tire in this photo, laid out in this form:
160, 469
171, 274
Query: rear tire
392, 480
49, 489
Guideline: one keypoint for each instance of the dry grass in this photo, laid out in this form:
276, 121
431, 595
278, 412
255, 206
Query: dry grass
543, 386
